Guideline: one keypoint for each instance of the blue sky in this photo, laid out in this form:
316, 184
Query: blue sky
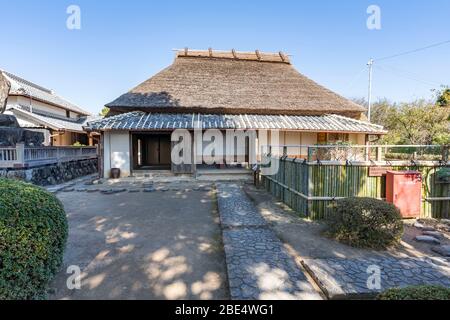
122, 43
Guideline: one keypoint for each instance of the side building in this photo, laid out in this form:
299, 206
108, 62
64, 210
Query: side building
41, 109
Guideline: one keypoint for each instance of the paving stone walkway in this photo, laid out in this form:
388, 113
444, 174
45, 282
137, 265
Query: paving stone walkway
341, 277
259, 267
236, 209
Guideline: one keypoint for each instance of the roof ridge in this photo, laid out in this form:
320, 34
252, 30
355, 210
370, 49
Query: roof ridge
279, 57
26, 88
27, 82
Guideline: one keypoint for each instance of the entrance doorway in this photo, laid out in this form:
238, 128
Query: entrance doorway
151, 151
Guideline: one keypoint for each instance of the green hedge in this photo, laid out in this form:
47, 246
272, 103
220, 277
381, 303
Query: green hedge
416, 293
366, 223
33, 234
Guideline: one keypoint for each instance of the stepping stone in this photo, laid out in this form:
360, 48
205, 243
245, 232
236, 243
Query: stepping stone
92, 190
435, 234
68, 190
427, 239
81, 190
423, 227
148, 190
108, 192
134, 191
442, 250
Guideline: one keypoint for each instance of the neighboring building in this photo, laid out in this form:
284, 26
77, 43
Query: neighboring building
40, 109
224, 90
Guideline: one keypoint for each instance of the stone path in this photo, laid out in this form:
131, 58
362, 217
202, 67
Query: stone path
340, 277
236, 209
259, 267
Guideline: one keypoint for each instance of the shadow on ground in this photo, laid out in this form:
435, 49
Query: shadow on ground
160, 245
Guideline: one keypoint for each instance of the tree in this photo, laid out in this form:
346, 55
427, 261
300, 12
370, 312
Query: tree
419, 122
443, 97
104, 112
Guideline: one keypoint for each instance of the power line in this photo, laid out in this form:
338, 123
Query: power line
404, 75
411, 75
357, 76
413, 51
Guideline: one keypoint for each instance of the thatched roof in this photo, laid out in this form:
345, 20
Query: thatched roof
233, 82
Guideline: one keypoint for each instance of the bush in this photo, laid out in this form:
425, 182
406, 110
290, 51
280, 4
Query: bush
33, 234
366, 223
416, 293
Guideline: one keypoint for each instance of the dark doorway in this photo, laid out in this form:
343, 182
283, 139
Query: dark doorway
151, 152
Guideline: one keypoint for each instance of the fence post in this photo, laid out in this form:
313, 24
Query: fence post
20, 153
367, 155
285, 151
445, 151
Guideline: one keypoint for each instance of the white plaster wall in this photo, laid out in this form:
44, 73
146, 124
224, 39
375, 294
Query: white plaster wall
117, 153
292, 138
40, 106
357, 138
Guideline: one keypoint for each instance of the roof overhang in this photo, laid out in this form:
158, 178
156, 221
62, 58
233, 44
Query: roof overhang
141, 121
47, 122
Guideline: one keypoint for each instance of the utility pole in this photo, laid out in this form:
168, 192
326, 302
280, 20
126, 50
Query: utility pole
370, 64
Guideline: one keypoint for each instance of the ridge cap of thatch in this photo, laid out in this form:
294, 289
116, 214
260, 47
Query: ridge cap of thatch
257, 55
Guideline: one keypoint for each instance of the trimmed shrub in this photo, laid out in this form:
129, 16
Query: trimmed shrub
416, 293
366, 223
33, 234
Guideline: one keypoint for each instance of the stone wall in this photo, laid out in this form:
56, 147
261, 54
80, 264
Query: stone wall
53, 174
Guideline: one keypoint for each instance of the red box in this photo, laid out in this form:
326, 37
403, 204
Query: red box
404, 190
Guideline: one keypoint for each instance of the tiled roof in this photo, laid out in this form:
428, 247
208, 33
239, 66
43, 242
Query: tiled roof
52, 122
22, 87
165, 121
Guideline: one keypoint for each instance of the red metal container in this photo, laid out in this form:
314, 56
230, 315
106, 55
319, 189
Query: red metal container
404, 190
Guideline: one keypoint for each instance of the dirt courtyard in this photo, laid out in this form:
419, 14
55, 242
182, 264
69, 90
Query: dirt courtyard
155, 245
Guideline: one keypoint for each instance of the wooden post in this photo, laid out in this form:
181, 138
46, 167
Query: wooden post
310, 154
20, 152
445, 151
379, 154
367, 153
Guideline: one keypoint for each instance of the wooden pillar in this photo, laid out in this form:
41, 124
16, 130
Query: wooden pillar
101, 155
